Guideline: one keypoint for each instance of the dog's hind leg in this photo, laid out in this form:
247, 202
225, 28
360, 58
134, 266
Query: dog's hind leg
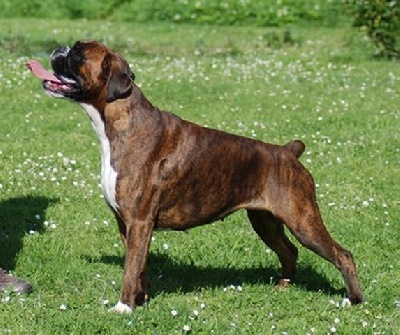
300, 213
271, 231
311, 232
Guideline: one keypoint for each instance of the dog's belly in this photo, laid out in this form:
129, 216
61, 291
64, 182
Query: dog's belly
177, 220
108, 174
185, 214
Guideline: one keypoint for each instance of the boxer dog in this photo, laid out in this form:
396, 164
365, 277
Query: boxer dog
159, 171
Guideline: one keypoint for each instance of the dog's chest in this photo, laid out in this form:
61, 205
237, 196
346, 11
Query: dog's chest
108, 174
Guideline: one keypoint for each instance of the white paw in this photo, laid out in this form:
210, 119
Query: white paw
121, 308
346, 302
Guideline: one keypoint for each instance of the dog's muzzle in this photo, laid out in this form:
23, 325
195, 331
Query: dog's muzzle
59, 59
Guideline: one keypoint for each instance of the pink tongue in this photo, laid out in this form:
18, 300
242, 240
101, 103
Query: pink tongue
39, 71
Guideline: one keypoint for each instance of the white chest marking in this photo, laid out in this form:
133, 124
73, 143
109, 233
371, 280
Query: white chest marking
108, 174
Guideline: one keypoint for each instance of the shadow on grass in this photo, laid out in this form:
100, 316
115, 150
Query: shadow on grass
168, 276
17, 217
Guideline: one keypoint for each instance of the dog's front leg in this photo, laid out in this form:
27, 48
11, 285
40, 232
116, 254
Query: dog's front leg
134, 290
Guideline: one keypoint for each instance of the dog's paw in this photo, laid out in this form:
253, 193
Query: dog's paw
346, 302
283, 283
121, 308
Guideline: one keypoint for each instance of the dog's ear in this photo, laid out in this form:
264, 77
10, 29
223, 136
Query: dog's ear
120, 78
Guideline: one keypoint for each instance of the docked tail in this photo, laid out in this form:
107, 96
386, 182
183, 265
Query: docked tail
297, 147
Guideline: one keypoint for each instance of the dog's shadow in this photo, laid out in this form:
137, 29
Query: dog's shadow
168, 276
19, 216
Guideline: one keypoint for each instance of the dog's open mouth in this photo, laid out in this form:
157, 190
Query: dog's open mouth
58, 85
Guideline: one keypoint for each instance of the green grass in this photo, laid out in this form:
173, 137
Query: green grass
57, 231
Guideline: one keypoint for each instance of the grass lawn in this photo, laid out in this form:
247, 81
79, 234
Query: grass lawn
56, 230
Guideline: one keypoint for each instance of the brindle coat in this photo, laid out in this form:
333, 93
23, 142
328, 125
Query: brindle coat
171, 173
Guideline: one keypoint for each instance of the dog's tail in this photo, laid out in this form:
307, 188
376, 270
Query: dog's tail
297, 147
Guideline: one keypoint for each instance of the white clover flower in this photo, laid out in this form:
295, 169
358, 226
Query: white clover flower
5, 299
333, 302
63, 307
174, 312
186, 328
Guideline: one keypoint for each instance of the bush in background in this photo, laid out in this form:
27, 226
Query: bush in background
34, 8
228, 12
381, 20
231, 12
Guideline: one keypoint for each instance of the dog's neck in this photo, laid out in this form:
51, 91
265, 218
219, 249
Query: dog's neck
110, 122
108, 173
136, 99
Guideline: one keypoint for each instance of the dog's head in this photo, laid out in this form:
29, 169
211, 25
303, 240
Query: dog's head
88, 72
